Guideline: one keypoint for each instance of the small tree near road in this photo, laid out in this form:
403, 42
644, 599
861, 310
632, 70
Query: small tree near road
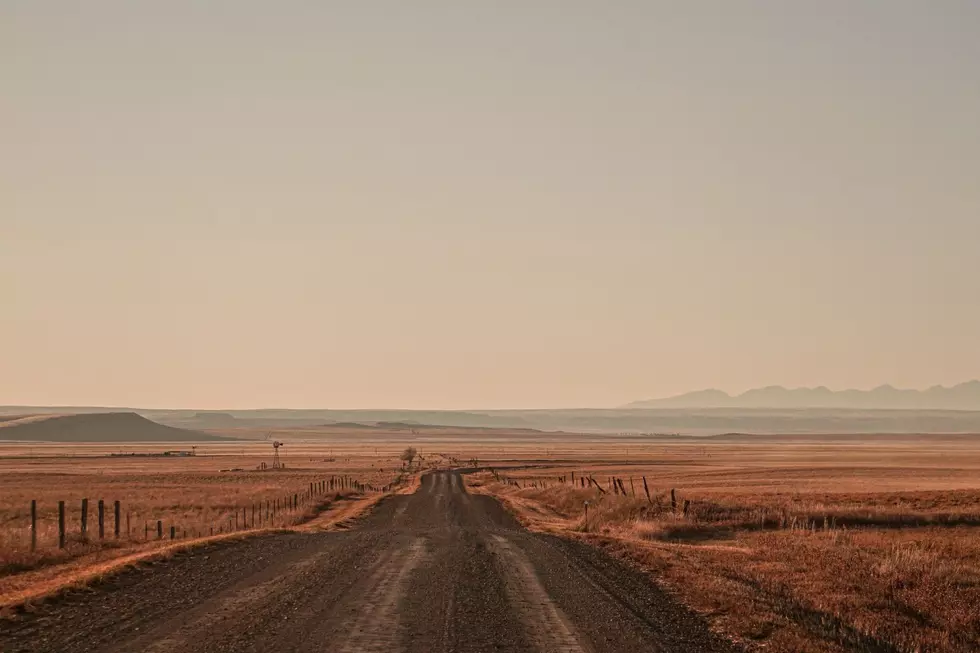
409, 455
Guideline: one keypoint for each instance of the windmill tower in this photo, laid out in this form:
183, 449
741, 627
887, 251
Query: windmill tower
276, 462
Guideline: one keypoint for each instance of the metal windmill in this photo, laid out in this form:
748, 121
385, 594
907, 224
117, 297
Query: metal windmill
276, 463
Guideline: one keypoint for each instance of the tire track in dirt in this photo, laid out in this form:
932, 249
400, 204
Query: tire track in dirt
547, 627
255, 596
375, 630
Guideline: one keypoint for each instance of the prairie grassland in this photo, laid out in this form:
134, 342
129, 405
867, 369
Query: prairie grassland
815, 547
867, 543
218, 490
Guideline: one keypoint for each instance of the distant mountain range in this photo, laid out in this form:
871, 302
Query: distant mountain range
964, 396
697, 414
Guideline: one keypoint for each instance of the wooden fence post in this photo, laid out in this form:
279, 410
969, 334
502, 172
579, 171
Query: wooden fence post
118, 524
596, 484
84, 529
632, 487
129, 529
646, 489
61, 524
101, 519
673, 500
173, 531
159, 529
33, 524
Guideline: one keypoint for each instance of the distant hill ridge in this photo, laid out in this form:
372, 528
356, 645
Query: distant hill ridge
964, 396
95, 427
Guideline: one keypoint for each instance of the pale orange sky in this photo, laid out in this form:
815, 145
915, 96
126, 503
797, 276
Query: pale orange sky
535, 204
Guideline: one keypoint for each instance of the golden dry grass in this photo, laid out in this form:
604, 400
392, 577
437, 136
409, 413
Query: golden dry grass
812, 547
23, 590
198, 495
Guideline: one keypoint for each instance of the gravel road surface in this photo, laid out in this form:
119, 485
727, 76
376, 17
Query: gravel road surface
436, 571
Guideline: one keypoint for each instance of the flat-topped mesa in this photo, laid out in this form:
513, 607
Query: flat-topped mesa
96, 427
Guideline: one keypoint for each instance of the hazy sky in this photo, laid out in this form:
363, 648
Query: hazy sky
484, 204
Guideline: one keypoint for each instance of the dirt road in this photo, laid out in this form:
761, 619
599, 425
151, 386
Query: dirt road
437, 571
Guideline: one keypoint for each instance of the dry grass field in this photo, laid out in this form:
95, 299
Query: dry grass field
805, 545
789, 544
220, 489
